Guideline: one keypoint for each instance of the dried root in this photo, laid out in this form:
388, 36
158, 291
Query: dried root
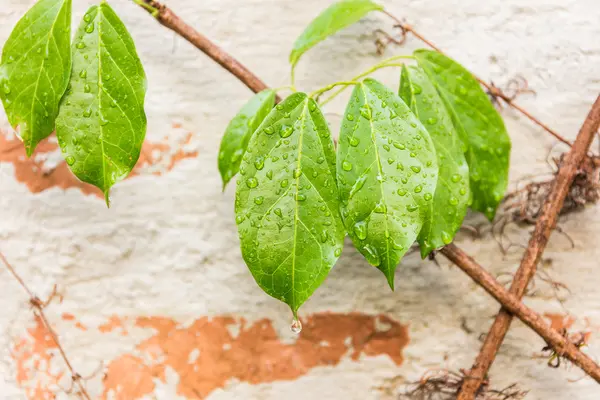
445, 384
523, 206
384, 39
513, 88
579, 339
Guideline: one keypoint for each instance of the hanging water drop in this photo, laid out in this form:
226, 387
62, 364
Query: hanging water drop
296, 326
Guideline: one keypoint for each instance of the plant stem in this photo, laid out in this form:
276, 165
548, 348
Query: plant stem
169, 19
37, 304
492, 89
383, 64
513, 304
327, 88
543, 229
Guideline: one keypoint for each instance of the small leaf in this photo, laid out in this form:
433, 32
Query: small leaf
287, 207
240, 129
35, 70
102, 124
338, 16
386, 168
449, 204
478, 123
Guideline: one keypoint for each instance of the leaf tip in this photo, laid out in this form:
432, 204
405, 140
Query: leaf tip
107, 197
390, 280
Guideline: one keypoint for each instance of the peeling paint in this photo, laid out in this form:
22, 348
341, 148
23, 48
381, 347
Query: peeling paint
206, 354
46, 169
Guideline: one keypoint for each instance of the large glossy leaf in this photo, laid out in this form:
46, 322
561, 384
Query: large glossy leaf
481, 126
102, 124
240, 129
452, 194
338, 16
287, 207
387, 173
35, 70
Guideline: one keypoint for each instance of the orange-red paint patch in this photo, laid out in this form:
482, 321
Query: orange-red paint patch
212, 351
37, 176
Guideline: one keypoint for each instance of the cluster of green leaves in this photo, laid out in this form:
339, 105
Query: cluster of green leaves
91, 91
409, 164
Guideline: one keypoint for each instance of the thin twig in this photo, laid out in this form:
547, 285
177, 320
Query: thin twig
169, 19
544, 226
513, 304
493, 90
38, 305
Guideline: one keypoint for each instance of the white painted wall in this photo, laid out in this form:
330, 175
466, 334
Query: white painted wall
168, 246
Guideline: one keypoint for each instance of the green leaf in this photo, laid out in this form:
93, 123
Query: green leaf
387, 169
287, 207
450, 201
240, 129
479, 124
35, 70
102, 124
338, 16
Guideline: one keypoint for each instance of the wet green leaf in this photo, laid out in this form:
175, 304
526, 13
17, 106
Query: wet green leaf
102, 124
338, 16
449, 204
386, 169
479, 124
35, 70
287, 207
240, 129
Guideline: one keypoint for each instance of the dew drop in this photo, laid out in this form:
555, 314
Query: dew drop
413, 154
70, 160
399, 146
284, 183
462, 191
346, 166
337, 252
296, 326
372, 256
87, 88
259, 163
320, 160
270, 174
278, 212
360, 229
87, 17
402, 192
455, 178
446, 238
259, 200
354, 141
431, 121
300, 197
312, 106
87, 113
453, 201
89, 28
418, 189
83, 74
416, 169
365, 111
350, 117
239, 219
297, 172
269, 130
428, 196
251, 183
417, 89
412, 207
286, 131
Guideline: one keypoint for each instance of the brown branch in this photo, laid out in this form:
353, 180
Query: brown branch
169, 19
39, 305
493, 90
560, 344
513, 304
543, 229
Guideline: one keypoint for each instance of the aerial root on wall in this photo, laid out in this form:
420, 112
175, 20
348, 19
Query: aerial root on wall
443, 384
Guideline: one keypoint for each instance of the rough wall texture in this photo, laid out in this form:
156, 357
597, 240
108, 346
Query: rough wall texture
157, 300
